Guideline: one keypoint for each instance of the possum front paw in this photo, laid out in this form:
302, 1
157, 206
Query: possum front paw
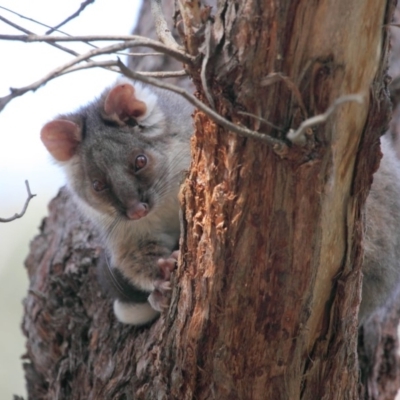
160, 296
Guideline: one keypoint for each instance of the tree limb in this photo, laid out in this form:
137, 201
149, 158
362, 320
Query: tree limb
15, 92
21, 214
297, 136
162, 30
29, 19
74, 15
129, 41
113, 63
20, 28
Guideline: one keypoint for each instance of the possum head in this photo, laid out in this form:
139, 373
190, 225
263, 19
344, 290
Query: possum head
119, 153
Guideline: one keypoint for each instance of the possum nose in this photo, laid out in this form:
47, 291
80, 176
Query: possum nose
137, 211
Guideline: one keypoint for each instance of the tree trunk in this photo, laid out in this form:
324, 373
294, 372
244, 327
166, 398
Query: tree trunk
267, 289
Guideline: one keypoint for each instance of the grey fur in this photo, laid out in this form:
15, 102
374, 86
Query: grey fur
381, 266
106, 153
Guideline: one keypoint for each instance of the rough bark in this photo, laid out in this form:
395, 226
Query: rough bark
268, 285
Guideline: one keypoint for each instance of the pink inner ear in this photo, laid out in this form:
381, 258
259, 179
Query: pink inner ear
61, 138
122, 101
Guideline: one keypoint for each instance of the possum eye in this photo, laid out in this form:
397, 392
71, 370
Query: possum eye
131, 122
99, 186
140, 162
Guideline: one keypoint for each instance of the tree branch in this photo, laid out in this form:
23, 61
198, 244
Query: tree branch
74, 15
261, 120
20, 28
29, 19
276, 144
30, 196
162, 30
113, 63
50, 42
297, 136
129, 41
15, 92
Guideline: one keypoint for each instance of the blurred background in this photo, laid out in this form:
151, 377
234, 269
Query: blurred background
22, 155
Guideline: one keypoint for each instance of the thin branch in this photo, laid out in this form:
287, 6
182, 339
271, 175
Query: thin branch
80, 38
297, 136
109, 64
92, 64
164, 74
20, 28
74, 15
140, 54
114, 63
261, 120
242, 131
29, 198
42, 24
15, 92
162, 30
30, 19
129, 41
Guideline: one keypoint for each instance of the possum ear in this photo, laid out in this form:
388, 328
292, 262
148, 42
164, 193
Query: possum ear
61, 138
121, 104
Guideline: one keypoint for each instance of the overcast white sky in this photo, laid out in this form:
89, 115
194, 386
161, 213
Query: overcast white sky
22, 155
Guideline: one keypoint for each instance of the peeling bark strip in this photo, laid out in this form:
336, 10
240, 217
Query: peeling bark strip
266, 294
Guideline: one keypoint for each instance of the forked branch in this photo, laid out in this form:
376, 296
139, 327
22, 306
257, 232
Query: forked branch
297, 136
21, 214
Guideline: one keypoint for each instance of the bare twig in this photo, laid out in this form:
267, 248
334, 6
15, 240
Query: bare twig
55, 29
162, 30
261, 120
164, 74
297, 136
82, 38
20, 28
29, 19
29, 198
15, 92
242, 131
114, 63
74, 15
92, 64
141, 54
129, 41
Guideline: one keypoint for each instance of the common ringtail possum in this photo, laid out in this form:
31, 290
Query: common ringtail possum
124, 155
